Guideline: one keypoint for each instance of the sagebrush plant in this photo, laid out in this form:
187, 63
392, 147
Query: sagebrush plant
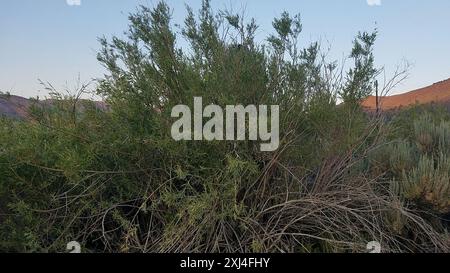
429, 181
421, 164
117, 182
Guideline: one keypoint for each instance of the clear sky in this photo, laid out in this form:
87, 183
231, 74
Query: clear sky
54, 41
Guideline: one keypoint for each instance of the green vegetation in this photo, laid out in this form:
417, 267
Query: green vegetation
115, 180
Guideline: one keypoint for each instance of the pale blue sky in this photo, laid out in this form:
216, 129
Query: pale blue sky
52, 41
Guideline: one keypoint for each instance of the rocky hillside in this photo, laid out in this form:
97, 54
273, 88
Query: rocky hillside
437, 93
19, 108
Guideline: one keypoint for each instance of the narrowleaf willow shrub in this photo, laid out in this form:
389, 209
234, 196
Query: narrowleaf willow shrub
116, 181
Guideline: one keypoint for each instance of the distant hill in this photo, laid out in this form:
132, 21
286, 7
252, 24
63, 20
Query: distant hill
17, 107
437, 93
14, 106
